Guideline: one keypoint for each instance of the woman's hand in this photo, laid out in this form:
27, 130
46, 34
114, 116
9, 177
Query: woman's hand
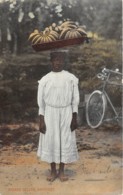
74, 124
42, 126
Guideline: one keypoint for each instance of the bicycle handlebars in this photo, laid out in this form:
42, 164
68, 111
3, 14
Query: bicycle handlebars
106, 72
116, 71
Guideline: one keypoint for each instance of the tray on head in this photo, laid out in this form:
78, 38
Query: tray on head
59, 44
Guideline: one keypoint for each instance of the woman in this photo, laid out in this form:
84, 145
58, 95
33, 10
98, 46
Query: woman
58, 99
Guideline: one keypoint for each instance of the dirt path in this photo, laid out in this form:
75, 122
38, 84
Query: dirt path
97, 172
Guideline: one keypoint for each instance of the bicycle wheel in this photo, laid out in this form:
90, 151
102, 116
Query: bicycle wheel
95, 109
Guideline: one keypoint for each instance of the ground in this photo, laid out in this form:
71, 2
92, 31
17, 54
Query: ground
97, 172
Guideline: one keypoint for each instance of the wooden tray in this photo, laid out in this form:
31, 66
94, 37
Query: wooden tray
59, 44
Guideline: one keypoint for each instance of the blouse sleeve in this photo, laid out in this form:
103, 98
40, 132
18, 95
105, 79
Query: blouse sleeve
75, 97
40, 100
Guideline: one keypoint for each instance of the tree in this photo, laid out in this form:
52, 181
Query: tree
4, 10
19, 18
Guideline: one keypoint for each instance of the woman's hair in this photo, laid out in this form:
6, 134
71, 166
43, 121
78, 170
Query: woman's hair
59, 53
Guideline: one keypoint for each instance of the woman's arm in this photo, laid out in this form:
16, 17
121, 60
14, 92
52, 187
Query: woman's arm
75, 96
42, 126
40, 100
41, 105
74, 124
75, 104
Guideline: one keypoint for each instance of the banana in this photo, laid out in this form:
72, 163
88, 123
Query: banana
46, 30
67, 35
49, 39
53, 26
36, 31
32, 35
73, 33
44, 33
66, 23
52, 37
54, 33
71, 26
77, 34
58, 29
81, 31
63, 32
45, 39
38, 40
42, 39
35, 38
50, 28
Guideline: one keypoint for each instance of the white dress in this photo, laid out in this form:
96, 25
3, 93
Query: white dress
58, 98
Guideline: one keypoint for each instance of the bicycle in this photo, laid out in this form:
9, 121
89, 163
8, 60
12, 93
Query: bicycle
96, 105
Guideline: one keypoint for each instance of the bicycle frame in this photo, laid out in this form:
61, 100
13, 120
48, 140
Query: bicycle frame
98, 99
106, 81
111, 104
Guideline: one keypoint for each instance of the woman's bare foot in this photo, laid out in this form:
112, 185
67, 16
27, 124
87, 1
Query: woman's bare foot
62, 177
52, 176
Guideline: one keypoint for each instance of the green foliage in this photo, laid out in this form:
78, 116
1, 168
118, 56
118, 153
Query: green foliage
92, 57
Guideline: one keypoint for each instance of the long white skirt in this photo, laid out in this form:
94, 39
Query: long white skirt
58, 144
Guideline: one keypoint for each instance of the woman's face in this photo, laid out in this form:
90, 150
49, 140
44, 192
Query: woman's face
57, 64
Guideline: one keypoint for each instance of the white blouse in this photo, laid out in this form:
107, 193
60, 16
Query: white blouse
58, 89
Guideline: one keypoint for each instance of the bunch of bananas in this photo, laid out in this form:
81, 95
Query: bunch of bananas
70, 30
67, 30
48, 35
